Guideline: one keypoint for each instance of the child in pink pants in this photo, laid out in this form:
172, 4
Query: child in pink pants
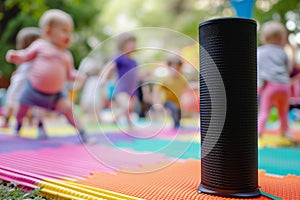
274, 81
274, 94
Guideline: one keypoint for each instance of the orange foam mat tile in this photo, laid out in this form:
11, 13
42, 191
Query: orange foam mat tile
286, 187
180, 181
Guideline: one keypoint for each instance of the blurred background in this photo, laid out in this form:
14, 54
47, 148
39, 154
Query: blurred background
97, 20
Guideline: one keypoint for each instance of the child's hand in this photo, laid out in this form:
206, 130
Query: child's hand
12, 57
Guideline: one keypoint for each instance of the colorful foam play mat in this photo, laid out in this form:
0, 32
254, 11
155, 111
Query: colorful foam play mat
149, 161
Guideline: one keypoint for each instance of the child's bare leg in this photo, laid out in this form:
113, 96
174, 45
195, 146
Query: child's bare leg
99, 106
116, 111
64, 106
123, 101
8, 112
30, 116
40, 113
21, 113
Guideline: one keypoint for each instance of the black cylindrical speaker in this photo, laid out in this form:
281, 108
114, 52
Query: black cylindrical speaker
228, 107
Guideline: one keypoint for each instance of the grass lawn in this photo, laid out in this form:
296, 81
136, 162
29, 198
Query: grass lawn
14, 191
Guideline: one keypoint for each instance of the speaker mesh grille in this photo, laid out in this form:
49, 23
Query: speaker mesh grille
229, 156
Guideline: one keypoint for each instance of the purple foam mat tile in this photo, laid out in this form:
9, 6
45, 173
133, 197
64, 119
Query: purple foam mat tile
100, 138
72, 139
14, 143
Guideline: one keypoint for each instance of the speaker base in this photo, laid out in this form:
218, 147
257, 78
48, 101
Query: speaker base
223, 193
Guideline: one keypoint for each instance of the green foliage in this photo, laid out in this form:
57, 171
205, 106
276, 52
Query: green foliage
266, 10
16, 14
101, 19
34, 8
280, 8
12, 190
181, 15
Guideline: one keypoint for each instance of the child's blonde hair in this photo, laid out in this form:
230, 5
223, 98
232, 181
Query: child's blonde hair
272, 32
123, 39
54, 16
26, 36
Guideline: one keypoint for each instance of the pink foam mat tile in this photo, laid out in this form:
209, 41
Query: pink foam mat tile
75, 161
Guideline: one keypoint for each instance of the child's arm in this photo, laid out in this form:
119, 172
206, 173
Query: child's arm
72, 73
107, 72
78, 78
19, 56
76, 75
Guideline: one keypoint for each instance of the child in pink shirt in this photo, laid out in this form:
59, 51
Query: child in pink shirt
52, 67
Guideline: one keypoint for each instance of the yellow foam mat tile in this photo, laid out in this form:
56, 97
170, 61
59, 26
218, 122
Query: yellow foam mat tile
70, 190
32, 132
109, 194
269, 140
195, 137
